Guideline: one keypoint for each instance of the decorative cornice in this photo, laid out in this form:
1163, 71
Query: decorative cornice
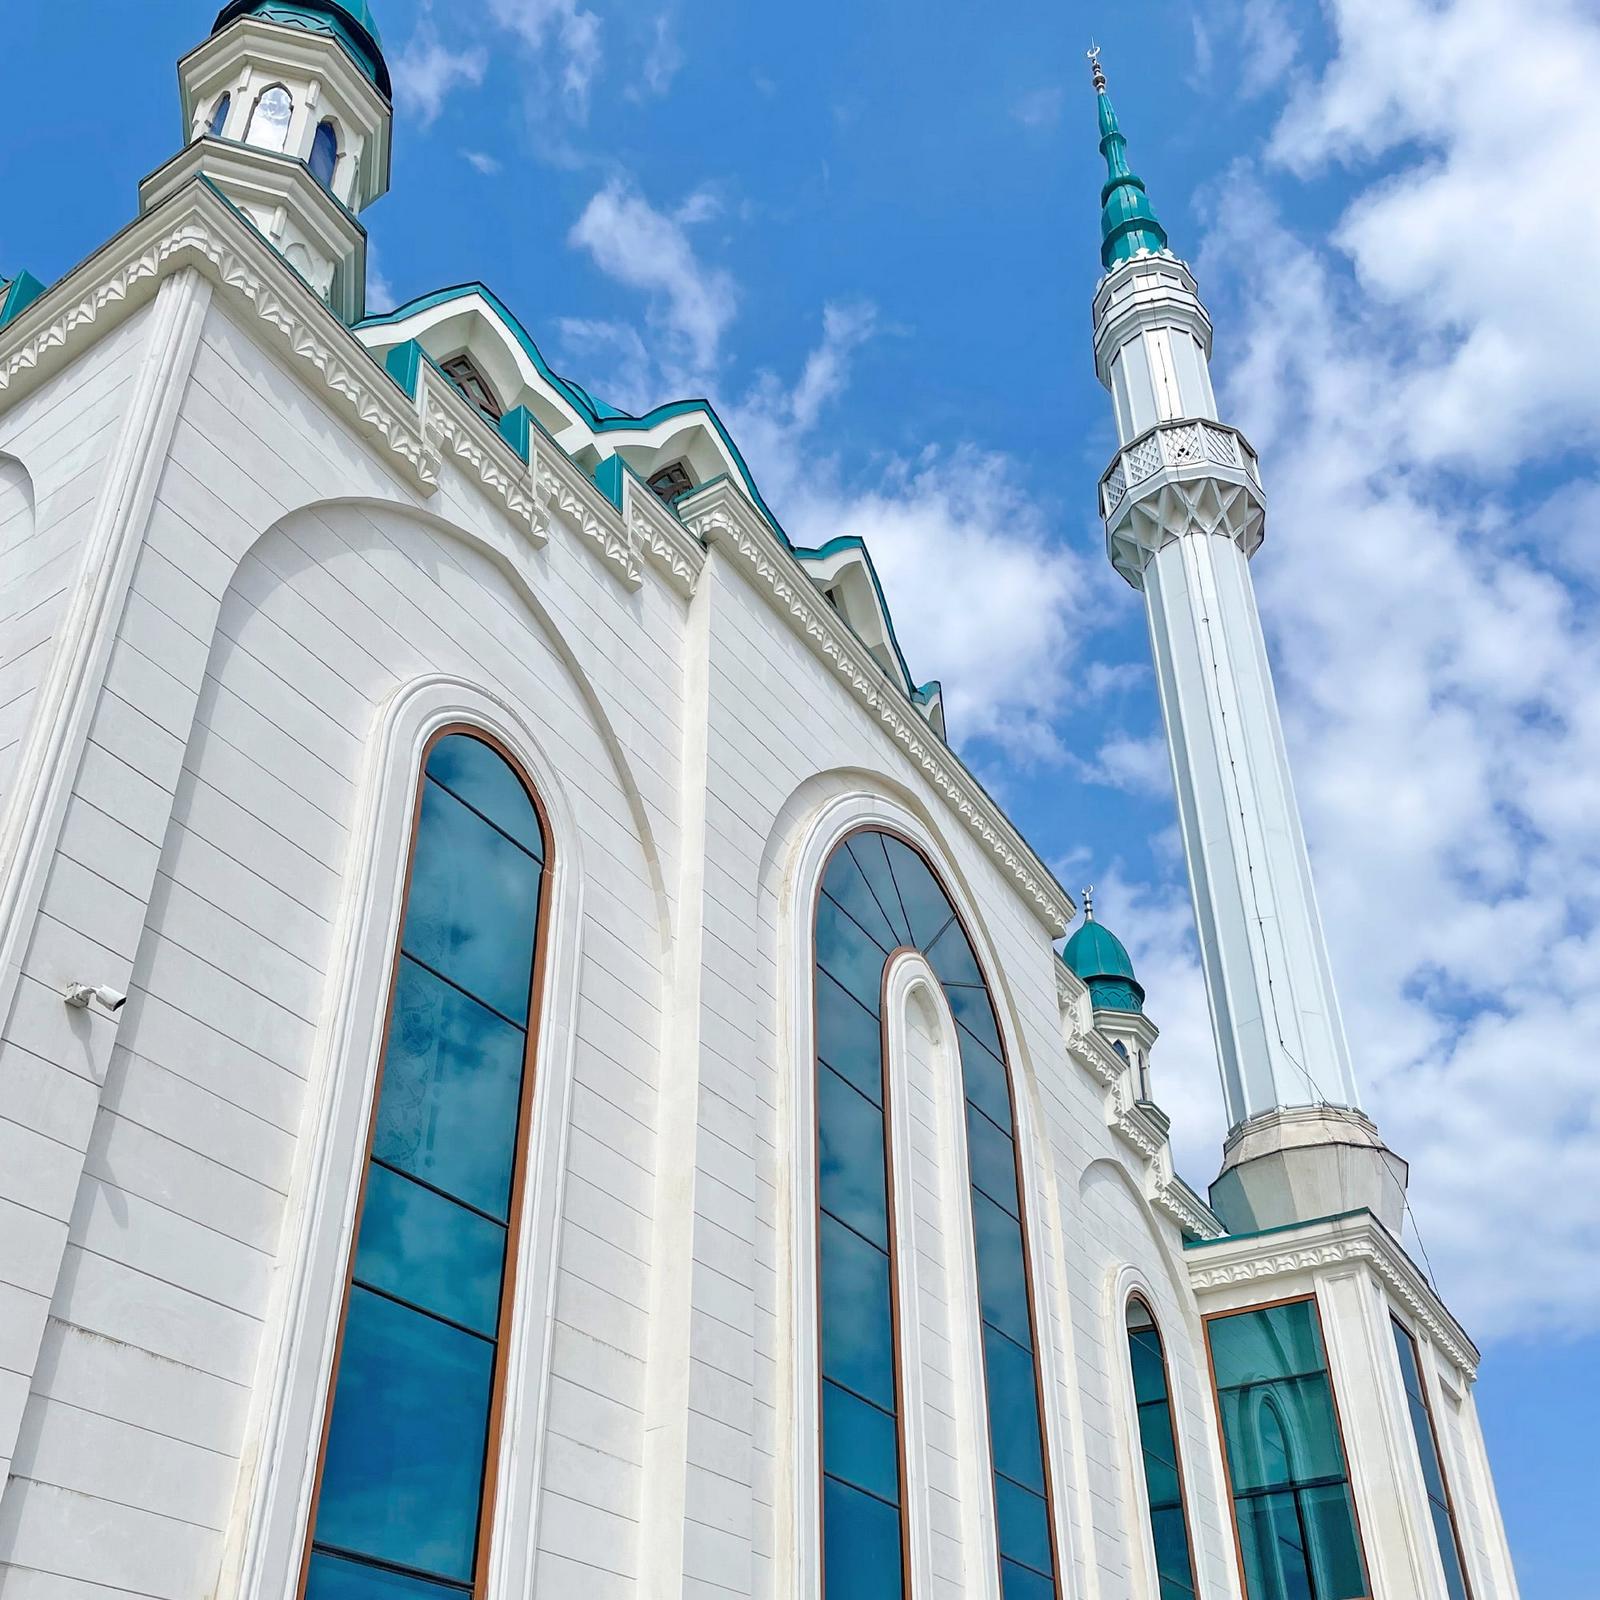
196, 227
1356, 1237
660, 537
720, 514
1185, 1207
457, 431
591, 517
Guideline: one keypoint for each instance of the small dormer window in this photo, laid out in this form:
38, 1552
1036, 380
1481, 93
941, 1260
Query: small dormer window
269, 119
670, 482
324, 154
219, 115
463, 372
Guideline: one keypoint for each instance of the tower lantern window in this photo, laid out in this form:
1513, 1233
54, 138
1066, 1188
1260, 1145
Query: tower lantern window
324, 154
269, 119
671, 481
219, 115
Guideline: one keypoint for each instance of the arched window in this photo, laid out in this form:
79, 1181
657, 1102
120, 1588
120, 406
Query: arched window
1158, 1445
1285, 1460
878, 896
405, 1486
219, 115
463, 372
269, 119
324, 153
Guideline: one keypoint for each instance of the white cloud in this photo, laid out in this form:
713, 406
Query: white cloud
574, 32
482, 161
1141, 766
646, 249
663, 57
427, 70
1040, 108
1440, 682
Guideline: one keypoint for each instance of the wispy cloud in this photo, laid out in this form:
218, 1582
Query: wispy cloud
427, 70
573, 32
663, 58
481, 161
1040, 108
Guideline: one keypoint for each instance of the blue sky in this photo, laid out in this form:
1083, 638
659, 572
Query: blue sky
868, 232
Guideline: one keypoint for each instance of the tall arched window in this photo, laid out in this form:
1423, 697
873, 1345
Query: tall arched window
269, 119
879, 896
219, 115
324, 153
1158, 1445
404, 1497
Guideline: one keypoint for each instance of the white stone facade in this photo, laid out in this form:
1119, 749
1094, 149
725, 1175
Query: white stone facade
244, 576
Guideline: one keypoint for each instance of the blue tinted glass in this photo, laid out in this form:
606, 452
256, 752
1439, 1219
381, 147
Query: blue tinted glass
331, 1577
1160, 1458
861, 1540
452, 1081
1018, 1583
219, 115
1281, 1432
1024, 1525
1002, 1280
845, 883
1149, 1368
860, 1443
1275, 1342
1422, 1428
974, 1013
857, 1347
983, 1079
846, 954
430, 1251
1170, 1534
474, 904
405, 1451
867, 848
1013, 1410
1408, 1361
324, 154
1335, 1552
478, 774
850, 1157
1455, 1580
951, 957
993, 1160
924, 902
1274, 1557
849, 1038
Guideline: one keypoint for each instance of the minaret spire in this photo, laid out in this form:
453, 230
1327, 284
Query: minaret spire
1127, 219
1184, 512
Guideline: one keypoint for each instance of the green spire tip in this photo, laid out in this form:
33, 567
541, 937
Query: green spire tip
1127, 220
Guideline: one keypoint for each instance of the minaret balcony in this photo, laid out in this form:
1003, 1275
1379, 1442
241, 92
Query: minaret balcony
1184, 476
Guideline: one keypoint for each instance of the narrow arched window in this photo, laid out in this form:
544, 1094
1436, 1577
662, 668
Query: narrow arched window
879, 896
405, 1486
1158, 1446
219, 115
269, 119
324, 154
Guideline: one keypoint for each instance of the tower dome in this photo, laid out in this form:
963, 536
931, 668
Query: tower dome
1097, 956
348, 21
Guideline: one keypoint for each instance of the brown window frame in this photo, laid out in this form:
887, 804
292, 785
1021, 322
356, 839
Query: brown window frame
508, 1283
1023, 1224
473, 375
1338, 1422
1135, 1297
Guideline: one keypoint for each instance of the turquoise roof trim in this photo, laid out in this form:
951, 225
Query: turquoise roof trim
350, 22
599, 417
851, 541
1127, 219
19, 293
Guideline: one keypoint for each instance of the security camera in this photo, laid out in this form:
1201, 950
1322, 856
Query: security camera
78, 995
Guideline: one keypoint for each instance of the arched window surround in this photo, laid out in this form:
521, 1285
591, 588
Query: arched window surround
528, 1089
332, 129
1139, 1295
855, 809
288, 1412
255, 111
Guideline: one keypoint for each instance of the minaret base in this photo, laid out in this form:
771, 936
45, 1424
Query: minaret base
1299, 1163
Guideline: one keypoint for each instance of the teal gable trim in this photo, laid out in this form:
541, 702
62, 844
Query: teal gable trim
924, 692
851, 541
20, 293
596, 415
516, 428
404, 365
608, 479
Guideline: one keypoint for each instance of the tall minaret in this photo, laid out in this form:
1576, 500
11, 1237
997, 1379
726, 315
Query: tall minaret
1184, 512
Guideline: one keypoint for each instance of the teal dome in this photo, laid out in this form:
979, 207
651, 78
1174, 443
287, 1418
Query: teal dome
1128, 222
348, 21
1096, 955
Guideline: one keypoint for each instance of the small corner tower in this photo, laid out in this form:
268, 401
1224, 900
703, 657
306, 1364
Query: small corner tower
1184, 511
1098, 957
286, 112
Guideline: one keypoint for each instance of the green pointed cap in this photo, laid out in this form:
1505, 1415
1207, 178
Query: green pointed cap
1097, 956
349, 21
1127, 219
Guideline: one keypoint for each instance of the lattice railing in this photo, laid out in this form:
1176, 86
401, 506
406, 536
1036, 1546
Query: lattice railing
1174, 444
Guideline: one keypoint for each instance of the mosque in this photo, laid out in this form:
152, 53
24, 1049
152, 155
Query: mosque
721, 1186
